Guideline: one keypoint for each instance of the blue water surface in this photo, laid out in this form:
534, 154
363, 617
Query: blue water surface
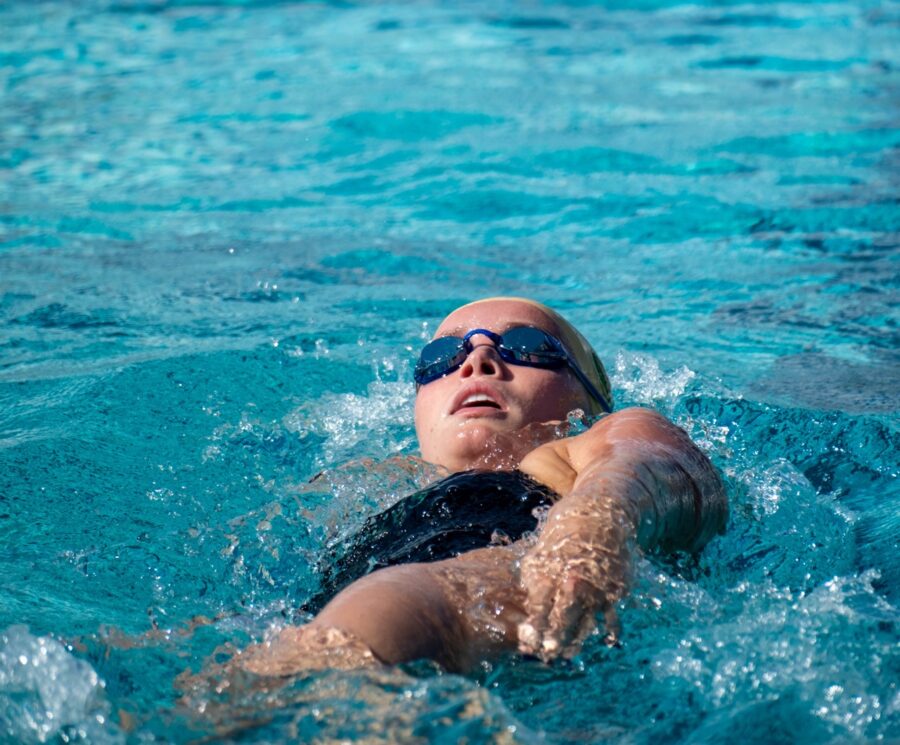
225, 228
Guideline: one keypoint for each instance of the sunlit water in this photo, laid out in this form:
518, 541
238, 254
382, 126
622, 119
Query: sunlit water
226, 227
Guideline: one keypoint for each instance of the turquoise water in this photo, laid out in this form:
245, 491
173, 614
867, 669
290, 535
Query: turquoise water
224, 227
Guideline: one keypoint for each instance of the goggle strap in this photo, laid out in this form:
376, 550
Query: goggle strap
589, 386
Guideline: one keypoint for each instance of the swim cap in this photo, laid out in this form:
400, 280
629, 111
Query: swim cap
580, 350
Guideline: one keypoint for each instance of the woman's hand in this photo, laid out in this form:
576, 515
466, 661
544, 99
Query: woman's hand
579, 567
634, 480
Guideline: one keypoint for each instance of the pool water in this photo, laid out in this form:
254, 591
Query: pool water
225, 228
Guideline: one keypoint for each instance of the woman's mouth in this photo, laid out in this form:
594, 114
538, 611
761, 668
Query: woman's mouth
478, 400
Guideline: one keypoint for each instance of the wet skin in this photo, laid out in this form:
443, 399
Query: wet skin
633, 479
461, 437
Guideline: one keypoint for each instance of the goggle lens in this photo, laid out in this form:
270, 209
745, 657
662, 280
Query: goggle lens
440, 357
529, 346
522, 345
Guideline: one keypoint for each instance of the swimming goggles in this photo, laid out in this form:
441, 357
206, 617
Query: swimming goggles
522, 345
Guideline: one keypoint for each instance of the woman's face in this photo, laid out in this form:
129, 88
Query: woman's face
470, 417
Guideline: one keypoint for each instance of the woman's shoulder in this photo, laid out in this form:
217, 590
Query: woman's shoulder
557, 464
550, 465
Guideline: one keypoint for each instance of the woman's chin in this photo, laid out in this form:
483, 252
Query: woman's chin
481, 443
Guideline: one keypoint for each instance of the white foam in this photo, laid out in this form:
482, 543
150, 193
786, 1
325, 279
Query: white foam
642, 379
46, 693
768, 488
381, 419
786, 639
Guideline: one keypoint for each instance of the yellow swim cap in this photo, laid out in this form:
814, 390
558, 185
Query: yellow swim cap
580, 350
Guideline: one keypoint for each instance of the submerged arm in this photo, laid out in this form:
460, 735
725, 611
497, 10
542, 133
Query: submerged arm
633, 478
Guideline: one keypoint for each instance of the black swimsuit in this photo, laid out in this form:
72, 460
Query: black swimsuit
462, 512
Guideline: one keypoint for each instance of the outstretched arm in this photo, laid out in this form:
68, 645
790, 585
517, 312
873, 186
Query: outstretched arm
633, 478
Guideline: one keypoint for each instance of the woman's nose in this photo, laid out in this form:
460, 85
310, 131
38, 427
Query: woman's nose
482, 360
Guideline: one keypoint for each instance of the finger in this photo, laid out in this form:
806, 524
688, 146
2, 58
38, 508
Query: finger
540, 592
574, 609
586, 628
528, 637
565, 614
531, 631
613, 628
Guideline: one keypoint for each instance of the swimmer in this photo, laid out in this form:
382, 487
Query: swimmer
495, 388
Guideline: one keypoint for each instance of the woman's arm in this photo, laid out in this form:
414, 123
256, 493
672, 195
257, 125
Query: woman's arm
633, 478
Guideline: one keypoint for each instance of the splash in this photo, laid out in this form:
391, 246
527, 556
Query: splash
790, 646
376, 705
46, 694
377, 423
643, 381
770, 488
